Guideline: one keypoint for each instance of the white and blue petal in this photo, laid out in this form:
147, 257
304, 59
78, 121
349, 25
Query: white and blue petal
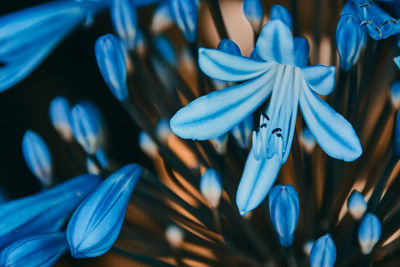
257, 179
214, 114
320, 78
275, 43
227, 67
333, 133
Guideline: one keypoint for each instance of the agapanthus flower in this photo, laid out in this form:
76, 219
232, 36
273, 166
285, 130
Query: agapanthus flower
278, 72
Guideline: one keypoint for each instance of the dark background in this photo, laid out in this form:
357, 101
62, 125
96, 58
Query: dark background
71, 71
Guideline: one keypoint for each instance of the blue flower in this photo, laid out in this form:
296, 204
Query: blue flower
28, 36
281, 74
37, 157
44, 212
284, 211
96, 223
356, 205
59, 111
37, 250
111, 62
185, 16
211, 187
369, 232
323, 252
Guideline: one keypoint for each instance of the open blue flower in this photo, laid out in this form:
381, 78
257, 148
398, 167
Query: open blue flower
280, 71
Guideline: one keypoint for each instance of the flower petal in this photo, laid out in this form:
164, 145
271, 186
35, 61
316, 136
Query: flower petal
214, 114
257, 178
227, 67
320, 78
332, 132
275, 43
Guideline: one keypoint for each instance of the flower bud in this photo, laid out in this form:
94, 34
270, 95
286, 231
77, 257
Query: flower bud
242, 132
350, 40
86, 125
395, 94
220, 143
166, 49
96, 223
254, 12
369, 232
174, 235
397, 136
162, 18
111, 62
307, 140
37, 157
284, 211
307, 246
211, 187
35, 250
356, 205
281, 13
147, 144
185, 16
163, 130
59, 111
47, 210
323, 252
397, 61
124, 18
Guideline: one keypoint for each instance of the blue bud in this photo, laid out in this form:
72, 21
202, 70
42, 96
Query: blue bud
36, 250
301, 51
166, 49
242, 131
323, 252
37, 157
147, 144
211, 187
307, 140
163, 130
185, 16
254, 12
284, 210
220, 143
86, 126
369, 232
111, 62
230, 47
162, 18
281, 13
397, 61
44, 212
59, 111
96, 223
395, 94
356, 205
397, 135
124, 18
350, 40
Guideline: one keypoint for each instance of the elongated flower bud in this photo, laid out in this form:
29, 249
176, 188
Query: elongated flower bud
242, 132
37, 157
124, 18
36, 250
281, 13
395, 94
350, 40
96, 223
397, 136
86, 126
323, 252
162, 18
166, 49
254, 12
211, 187
59, 111
307, 140
47, 210
147, 144
163, 130
356, 205
111, 62
220, 143
369, 232
185, 16
284, 210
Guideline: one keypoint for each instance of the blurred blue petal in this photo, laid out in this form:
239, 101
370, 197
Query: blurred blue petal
283, 204
242, 131
37, 157
44, 212
166, 49
369, 232
396, 144
229, 46
397, 61
59, 111
96, 223
333, 133
36, 250
301, 51
111, 62
211, 187
320, 78
323, 252
275, 43
395, 94
356, 205
124, 18
254, 12
214, 114
146, 2
162, 18
185, 16
227, 67
257, 179
279, 12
